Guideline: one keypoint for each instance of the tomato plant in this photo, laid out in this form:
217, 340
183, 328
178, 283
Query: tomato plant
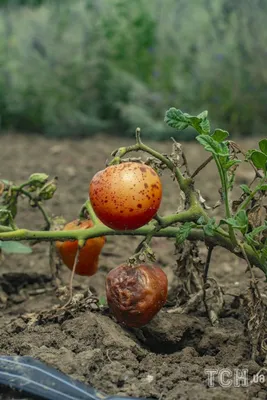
87, 263
136, 294
124, 199
126, 196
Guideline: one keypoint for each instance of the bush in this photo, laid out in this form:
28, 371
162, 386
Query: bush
76, 68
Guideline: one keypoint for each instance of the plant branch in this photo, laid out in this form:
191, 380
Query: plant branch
102, 230
90, 210
203, 165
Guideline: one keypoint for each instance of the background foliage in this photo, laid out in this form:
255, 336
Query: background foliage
81, 67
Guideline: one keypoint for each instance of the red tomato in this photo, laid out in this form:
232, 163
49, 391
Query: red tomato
126, 196
136, 294
89, 254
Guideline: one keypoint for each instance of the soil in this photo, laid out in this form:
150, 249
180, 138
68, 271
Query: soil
165, 359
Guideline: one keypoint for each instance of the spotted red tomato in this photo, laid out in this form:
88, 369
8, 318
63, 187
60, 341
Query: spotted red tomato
136, 294
126, 196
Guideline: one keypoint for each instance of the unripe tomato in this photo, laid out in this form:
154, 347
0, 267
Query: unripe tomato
89, 254
126, 196
136, 294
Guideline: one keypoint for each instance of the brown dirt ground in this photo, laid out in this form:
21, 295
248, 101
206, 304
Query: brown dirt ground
164, 360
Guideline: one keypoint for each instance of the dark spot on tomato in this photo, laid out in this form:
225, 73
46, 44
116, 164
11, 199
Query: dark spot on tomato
142, 169
121, 212
148, 197
146, 185
131, 209
139, 205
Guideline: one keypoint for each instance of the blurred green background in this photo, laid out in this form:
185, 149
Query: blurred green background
81, 67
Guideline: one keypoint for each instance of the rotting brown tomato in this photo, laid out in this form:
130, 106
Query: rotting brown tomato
136, 294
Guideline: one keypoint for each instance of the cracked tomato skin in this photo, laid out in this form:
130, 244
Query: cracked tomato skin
136, 294
126, 196
89, 254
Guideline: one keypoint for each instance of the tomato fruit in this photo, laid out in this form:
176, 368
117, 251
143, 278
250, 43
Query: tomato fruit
136, 294
89, 254
126, 196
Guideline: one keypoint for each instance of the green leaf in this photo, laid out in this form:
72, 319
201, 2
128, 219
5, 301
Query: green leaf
11, 247
259, 159
228, 164
242, 218
205, 126
176, 119
219, 135
263, 187
184, 232
248, 154
212, 146
179, 120
263, 146
210, 227
245, 189
203, 115
240, 222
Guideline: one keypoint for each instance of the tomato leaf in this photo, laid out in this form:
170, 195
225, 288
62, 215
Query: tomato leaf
263, 146
210, 227
212, 146
184, 232
228, 164
245, 189
12, 247
259, 159
219, 135
179, 120
176, 119
240, 222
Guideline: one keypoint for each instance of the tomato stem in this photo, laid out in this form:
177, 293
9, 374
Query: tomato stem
90, 210
101, 230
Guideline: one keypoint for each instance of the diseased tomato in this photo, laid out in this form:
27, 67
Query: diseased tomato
126, 196
89, 254
136, 294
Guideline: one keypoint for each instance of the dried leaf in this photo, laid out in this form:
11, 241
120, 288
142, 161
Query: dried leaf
202, 201
213, 300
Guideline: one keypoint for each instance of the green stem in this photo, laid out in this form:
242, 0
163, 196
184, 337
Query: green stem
91, 213
102, 230
223, 178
